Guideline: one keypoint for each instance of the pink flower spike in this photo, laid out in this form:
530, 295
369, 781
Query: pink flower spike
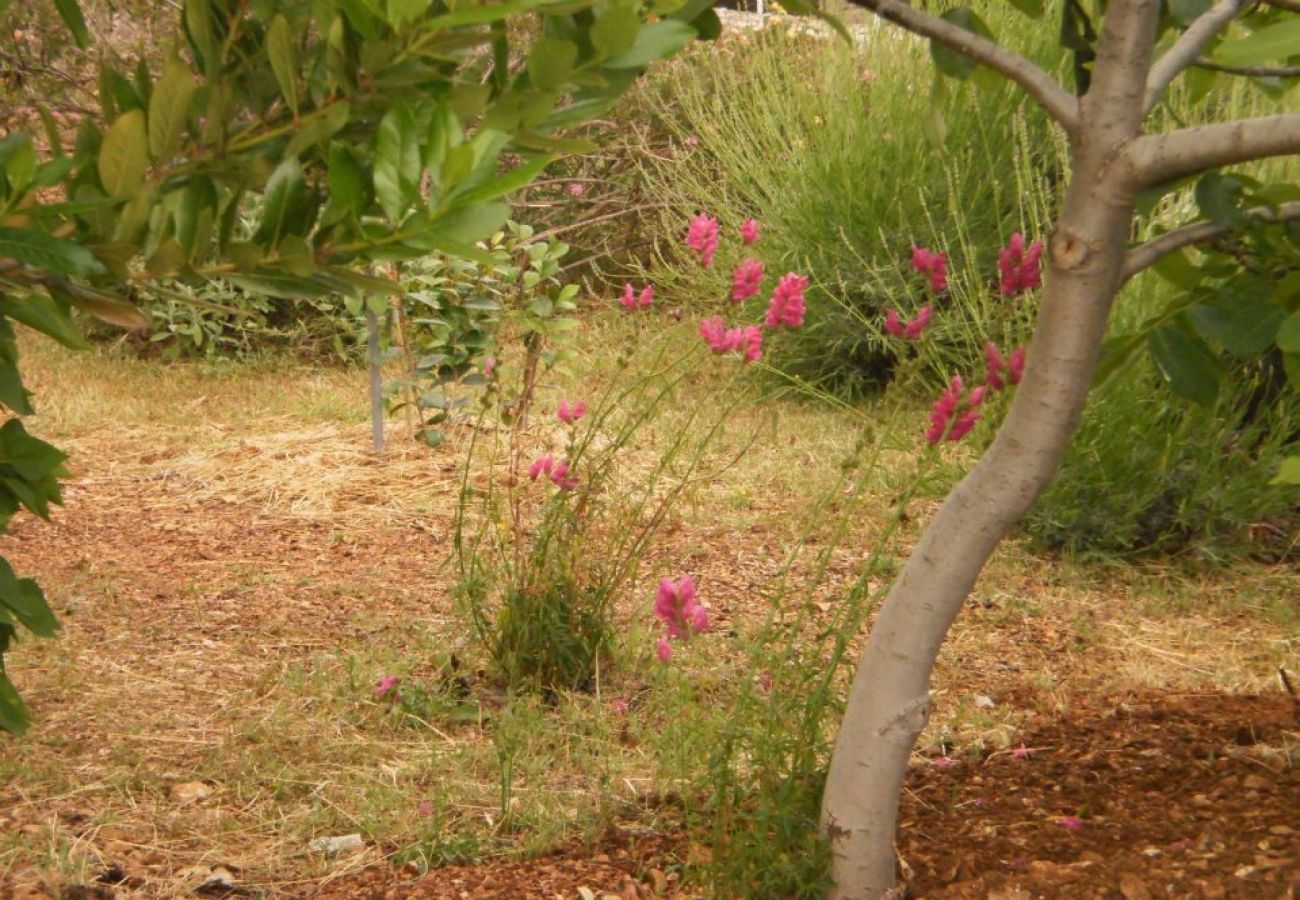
628, 300
746, 279
913, 329
560, 477
569, 413
714, 332
702, 237
994, 363
1071, 822
749, 231
976, 396
752, 343
386, 686
963, 424
1016, 365
699, 620
664, 650
945, 408
932, 264
787, 304
541, 466
647, 296
1021, 270
893, 324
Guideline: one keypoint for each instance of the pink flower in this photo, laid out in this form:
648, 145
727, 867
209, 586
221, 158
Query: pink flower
541, 466
628, 300
892, 323
1072, 822
386, 687
426, 808
702, 237
569, 413
1021, 270
752, 343
745, 280
620, 705
963, 424
489, 366
560, 477
714, 332
749, 231
932, 264
577, 189
787, 304
1016, 365
976, 396
647, 296
994, 363
944, 761
677, 608
664, 650
950, 417
912, 330
1021, 752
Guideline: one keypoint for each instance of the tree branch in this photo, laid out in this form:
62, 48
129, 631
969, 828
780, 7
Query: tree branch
1060, 104
1144, 256
1156, 158
1249, 71
1187, 49
1289, 5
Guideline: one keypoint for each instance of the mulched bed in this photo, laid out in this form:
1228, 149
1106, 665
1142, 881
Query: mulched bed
1134, 797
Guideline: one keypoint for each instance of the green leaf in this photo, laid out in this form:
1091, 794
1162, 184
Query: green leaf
1288, 334
1031, 8
70, 12
1218, 196
124, 155
169, 108
107, 308
48, 253
936, 125
283, 197
616, 28
42, 313
658, 40
346, 180
14, 716
950, 62
1289, 473
24, 598
401, 12
397, 162
19, 160
1271, 43
1242, 318
482, 15
519, 177
1186, 363
550, 63
283, 54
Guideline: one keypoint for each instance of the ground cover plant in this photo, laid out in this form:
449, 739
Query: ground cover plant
684, 597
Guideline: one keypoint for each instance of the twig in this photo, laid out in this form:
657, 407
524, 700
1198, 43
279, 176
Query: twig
1146, 255
1187, 49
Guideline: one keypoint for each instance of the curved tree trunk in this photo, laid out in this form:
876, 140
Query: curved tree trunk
889, 701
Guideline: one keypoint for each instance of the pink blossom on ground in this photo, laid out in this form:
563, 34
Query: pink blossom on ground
675, 604
1072, 822
912, 330
1016, 365
943, 762
1021, 269
568, 413
577, 189
749, 231
702, 237
752, 343
646, 297
787, 304
664, 650
628, 300
746, 279
426, 808
1021, 752
489, 366
386, 687
933, 265
561, 479
541, 466
620, 705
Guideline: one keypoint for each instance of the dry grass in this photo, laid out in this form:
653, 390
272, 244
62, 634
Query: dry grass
234, 569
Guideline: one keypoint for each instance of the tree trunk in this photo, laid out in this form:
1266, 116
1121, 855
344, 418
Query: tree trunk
890, 701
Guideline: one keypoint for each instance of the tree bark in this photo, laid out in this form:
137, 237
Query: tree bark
889, 701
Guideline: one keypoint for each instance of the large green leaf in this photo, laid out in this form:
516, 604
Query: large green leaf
70, 12
550, 62
1288, 334
658, 40
1289, 473
48, 253
1243, 317
950, 62
42, 313
124, 155
1271, 43
284, 60
14, 716
169, 107
25, 600
507, 183
397, 162
615, 29
284, 193
1187, 364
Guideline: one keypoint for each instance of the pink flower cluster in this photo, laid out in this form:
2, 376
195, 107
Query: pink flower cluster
749, 231
722, 339
1013, 366
568, 413
386, 687
702, 237
787, 304
933, 265
746, 279
1021, 269
950, 417
682, 615
558, 472
631, 301
912, 328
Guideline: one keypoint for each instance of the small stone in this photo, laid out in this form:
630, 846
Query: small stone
189, 792
1133, 888
1245, 872
334, 846
984, 702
